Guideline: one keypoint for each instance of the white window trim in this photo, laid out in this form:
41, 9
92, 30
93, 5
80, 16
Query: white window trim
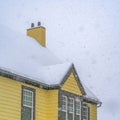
24, 89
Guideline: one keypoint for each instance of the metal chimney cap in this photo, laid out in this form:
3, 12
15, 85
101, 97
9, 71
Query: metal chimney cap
39, 23
32, 25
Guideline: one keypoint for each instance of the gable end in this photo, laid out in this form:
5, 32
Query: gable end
73, 70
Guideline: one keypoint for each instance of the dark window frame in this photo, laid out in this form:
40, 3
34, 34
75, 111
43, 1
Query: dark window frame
69, 96
78, 108
34, 99
88, 110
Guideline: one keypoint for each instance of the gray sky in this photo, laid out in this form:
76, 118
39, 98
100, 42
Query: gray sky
85, 32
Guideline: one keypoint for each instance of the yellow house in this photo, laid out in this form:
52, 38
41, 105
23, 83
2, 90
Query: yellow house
56, 94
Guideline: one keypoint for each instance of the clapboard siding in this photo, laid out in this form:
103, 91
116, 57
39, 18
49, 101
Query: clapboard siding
93, 112
10, 99
40, 106
46, 101
52, 109
71, 85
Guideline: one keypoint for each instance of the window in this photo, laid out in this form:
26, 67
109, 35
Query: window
27, 104
78, 107
64, 103
64, 108
71, 105
85, 112
71, 109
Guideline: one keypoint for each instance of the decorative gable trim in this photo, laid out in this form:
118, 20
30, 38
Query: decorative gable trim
73, 70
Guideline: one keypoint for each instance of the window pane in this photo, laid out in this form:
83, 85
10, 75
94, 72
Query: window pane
26, 113
27, 97
78, 107
71, 105
64, 103
85, 113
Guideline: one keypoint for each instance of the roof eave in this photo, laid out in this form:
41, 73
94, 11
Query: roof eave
36, 83
23, 79
95, 101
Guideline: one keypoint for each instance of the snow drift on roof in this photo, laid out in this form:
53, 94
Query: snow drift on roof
22, 53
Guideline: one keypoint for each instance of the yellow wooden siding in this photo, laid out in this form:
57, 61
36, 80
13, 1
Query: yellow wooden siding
93, 112
71, 85
40, 104
10, 100
52, 102
46, 104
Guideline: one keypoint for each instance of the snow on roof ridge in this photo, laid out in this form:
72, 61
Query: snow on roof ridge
62, 63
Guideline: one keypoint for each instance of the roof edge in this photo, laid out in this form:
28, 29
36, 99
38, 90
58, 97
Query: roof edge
73, 70
78, 80
19, 78
96, 101
16, 77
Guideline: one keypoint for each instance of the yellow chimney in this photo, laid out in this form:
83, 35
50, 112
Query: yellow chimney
38, 33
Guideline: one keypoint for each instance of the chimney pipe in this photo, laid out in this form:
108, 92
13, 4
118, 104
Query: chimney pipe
39, 23
32, 25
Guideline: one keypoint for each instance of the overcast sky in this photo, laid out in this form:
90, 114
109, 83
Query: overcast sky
85, 32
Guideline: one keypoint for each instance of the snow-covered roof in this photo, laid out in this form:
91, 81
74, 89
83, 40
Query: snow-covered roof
52, 74
89, 94
21, 55
49, 75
